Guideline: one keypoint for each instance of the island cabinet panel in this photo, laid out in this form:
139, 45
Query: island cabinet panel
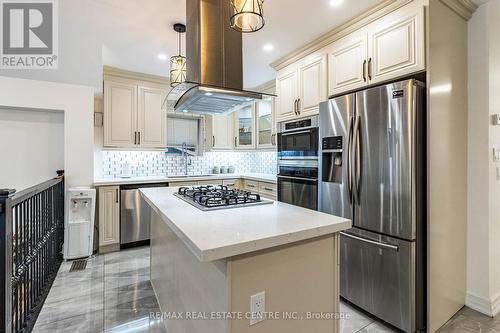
183, 284
297, 278
109, 218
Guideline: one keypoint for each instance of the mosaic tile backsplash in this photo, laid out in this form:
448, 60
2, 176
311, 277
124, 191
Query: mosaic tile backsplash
154, 164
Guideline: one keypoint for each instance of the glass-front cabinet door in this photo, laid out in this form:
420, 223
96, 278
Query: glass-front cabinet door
245, 127
266, 137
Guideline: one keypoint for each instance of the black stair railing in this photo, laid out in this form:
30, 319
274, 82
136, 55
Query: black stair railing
31, 241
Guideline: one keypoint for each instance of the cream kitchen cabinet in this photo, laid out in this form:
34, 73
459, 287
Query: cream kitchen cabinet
347, 63
396, 44
133, 115
388, 48
244, 127
265, 124
120, 114
109, 217
231, 183
301, 87
221, 132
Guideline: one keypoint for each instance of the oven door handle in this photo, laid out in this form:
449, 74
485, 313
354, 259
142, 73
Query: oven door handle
298, 132
299, 178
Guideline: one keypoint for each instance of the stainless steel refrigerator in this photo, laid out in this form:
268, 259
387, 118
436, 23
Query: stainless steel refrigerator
372, 170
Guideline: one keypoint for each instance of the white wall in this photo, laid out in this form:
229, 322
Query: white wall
483, 236
32, 143
77, 103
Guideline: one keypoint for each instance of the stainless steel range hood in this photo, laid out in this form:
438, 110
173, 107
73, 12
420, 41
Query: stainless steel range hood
214, 82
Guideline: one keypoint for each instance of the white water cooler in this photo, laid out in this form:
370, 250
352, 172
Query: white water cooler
79, 226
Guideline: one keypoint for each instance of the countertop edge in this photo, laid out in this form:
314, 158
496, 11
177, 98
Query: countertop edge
225, 252
135, 181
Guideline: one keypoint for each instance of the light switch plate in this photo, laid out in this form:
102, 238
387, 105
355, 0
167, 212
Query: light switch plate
257, 308
496, 154
495, 119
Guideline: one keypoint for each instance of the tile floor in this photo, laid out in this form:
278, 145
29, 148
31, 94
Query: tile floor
114, 294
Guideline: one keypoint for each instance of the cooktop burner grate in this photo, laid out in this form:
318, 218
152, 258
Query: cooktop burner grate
218, 196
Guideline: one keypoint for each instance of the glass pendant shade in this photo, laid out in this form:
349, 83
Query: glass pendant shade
178, 62
248, 15
177, 70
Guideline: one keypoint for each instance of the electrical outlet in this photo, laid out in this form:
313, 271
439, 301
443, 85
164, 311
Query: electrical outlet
257, 307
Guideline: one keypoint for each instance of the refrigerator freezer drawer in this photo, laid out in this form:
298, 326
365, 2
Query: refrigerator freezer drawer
378, 275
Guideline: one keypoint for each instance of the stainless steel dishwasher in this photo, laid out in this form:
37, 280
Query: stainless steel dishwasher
135, 215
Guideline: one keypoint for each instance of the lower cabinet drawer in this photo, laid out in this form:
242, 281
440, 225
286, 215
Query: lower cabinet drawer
231, 183
268, 190
251, 186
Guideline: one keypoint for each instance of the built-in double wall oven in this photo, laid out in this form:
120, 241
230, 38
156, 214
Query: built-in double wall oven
298, 162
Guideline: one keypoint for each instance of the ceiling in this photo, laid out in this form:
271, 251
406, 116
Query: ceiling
134, 32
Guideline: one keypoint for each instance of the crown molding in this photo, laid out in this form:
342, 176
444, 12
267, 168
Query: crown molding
267, 87
464, 8
122, 73
356, 23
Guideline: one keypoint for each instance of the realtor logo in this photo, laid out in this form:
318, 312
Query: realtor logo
29, 34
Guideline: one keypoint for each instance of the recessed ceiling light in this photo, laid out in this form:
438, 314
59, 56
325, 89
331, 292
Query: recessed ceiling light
268, 47
336, 3
162, 56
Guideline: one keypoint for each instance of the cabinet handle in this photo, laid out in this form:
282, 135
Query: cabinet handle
370, 69
236, 141
251, 186
364, 70
298, 106
139, 140
135, 138
116, 198
295, 107
213, 140
268, 189
273, 136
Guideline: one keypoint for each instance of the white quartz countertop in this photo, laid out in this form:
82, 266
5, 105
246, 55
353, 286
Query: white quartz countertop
145, 180
219, 234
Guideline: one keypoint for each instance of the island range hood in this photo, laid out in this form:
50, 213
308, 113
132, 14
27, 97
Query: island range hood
214, 78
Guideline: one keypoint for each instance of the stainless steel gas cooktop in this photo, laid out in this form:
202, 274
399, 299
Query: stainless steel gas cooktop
219, 197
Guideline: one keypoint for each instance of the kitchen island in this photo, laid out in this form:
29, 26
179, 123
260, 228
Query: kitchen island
205, 266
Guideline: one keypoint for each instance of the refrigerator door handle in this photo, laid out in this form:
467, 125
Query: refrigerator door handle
357, 156
369, 241
349, 159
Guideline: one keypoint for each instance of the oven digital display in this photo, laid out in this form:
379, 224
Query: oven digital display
298, 124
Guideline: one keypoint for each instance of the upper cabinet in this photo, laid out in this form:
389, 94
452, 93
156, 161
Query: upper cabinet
301, 87
221, 132
347, 63
120, 114
388, 48
244, 121
396, 44
133, 114
151, 119
266, 135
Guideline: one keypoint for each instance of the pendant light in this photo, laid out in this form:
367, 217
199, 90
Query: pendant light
248, 15
178, 62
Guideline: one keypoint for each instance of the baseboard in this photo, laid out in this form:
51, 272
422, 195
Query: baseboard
495, 305
489, 307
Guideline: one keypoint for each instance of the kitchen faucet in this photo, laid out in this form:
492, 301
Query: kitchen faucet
185, 158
